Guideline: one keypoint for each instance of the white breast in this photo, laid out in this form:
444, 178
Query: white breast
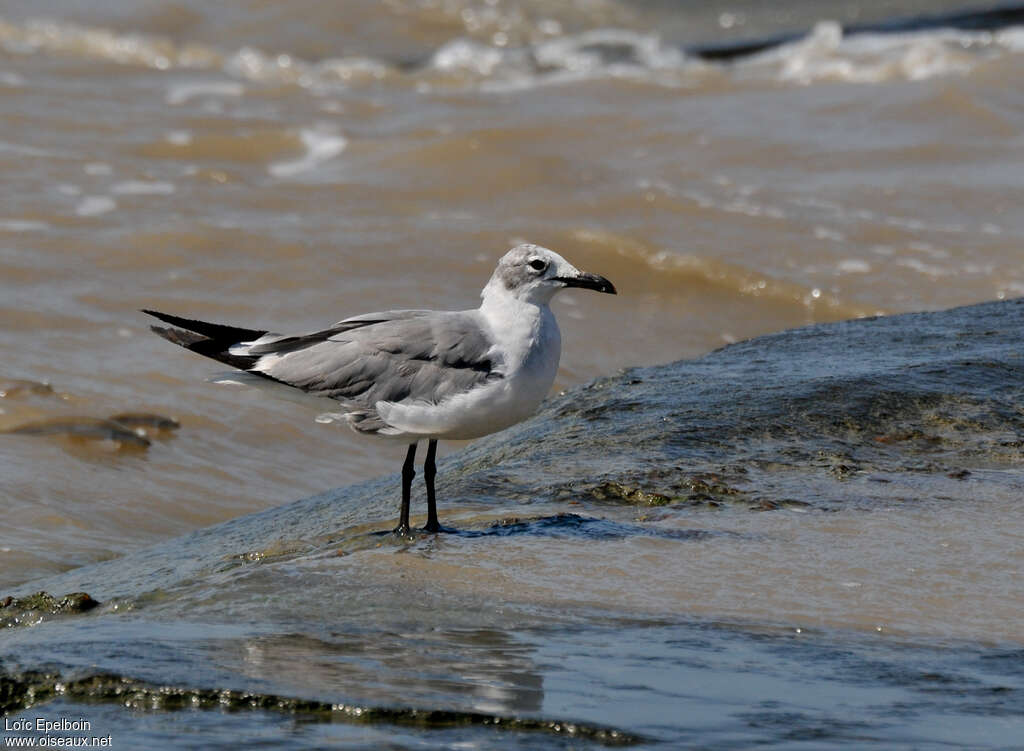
528, 346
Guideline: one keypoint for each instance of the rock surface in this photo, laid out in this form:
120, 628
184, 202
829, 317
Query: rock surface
514, 618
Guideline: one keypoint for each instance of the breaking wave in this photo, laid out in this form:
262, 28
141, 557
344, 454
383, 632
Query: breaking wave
61, 38
825, 53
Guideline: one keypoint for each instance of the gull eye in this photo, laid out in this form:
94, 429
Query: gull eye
538, 265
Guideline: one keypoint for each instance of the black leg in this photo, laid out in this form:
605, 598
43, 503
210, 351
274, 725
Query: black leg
429, 472
408, 472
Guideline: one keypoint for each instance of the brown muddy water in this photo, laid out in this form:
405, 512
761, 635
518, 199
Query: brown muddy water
289, 164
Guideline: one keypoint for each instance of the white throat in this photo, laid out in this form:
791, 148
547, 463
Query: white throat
523, 329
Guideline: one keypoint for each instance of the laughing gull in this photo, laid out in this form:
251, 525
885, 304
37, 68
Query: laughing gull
410, 375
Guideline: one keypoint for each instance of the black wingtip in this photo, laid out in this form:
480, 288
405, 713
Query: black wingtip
201, 344
186, 339
227, 335
185, 323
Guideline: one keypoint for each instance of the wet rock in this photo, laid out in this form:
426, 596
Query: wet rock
278, 551
135, 420
843, 471
709, 488
84, 428
673, 486
785, 416
777, 504
616, 491
983, 19
21, 691
28, 609
784, 423
126, 430
15, 387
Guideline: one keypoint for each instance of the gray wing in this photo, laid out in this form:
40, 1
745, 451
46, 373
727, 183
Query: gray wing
395, 356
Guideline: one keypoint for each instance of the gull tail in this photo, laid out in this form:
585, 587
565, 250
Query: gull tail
211, 340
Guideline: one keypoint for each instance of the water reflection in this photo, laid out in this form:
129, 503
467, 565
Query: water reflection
481, 670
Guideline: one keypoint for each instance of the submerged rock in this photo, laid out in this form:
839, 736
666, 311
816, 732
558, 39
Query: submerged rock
14, 387
611, 490
132, 430
18, 692
84, 428
145, 420
31, 609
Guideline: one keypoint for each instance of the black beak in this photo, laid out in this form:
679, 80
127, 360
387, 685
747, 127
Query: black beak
588, 281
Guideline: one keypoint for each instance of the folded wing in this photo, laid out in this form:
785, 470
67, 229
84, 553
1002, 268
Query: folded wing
404, 356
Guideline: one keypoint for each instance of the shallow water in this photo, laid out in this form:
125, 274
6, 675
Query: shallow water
277, 165
671, 684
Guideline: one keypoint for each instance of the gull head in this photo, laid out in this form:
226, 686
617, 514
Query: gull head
534, 274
